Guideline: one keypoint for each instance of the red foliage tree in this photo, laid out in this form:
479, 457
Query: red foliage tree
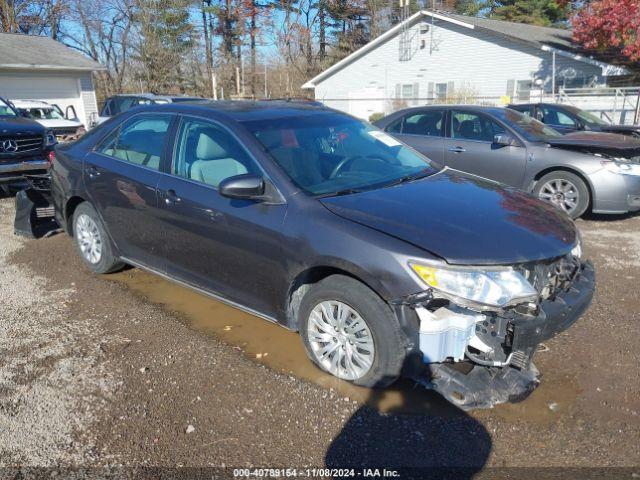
609, 24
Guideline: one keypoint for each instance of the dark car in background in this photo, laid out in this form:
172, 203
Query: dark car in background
123, 102
568, 119
25, 146
579, 172
385, 263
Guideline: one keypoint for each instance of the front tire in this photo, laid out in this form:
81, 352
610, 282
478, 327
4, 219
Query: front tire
565, 190
92, 241
350, 332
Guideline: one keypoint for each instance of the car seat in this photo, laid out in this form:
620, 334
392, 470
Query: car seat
214, 162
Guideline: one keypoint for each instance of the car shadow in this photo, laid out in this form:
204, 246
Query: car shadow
601, 217
446, 442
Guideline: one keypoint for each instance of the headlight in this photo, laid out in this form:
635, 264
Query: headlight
481, 288
623, 168
50, 139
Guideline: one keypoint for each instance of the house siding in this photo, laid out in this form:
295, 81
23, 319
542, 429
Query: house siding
486, 64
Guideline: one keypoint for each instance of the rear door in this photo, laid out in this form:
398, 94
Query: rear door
470, 148
121, 176
225, 246
423, 130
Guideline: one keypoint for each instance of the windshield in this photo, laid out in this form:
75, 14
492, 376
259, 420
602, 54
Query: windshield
41, 113
6, 110
530, 128
588, 117
329, 153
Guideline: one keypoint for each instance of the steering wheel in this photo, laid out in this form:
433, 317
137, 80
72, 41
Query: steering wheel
348, 160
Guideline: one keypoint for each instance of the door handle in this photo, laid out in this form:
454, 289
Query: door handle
93, 172
457, 149
170, 197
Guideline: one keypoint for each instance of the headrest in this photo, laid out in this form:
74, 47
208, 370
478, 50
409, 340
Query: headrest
209, 149
467, 128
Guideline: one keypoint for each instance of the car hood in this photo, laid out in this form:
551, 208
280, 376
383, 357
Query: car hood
19, 125
623, 129
595, 139
462, 219
59, 123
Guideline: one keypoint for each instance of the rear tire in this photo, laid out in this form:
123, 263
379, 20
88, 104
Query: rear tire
565, 190
366, 347
92, 241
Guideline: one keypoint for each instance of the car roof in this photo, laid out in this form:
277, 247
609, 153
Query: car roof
154, 96
477, 108
31, 104
244, 110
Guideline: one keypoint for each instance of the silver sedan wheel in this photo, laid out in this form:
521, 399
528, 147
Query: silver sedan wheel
340, 340
562, 193
88, 238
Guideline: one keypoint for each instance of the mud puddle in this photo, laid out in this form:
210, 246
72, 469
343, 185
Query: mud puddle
282, 351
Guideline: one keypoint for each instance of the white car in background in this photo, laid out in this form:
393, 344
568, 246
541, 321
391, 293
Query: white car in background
65, 126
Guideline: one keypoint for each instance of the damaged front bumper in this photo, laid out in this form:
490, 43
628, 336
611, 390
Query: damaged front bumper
478, 360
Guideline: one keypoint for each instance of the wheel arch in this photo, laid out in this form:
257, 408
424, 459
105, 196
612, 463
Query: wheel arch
69, 209
307, 277
563, 168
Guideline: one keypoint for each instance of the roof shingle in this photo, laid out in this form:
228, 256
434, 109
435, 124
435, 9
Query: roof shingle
30, 51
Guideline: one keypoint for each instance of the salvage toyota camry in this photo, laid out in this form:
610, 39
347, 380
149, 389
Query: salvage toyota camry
384, 262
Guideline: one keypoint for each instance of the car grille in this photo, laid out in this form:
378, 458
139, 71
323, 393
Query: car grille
553, 277
16, 146
65, 131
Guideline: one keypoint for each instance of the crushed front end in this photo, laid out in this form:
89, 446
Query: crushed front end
476, 355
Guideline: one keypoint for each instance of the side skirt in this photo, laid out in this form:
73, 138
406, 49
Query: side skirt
207, 293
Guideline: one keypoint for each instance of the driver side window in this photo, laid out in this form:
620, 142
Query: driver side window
206, 153
473, 126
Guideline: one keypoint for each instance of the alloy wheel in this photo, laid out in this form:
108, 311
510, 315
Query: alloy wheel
561, 193
340, 340
88, 238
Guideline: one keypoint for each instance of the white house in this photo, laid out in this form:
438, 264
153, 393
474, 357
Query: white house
39, 68
434, 56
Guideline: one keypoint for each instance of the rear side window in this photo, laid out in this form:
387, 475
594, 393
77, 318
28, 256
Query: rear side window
208, 154
139, 140
426, 123
473, 126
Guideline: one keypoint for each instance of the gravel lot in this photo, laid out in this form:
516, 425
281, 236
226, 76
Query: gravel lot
131, 370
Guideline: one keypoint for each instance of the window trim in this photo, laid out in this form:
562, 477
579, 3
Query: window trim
168, 136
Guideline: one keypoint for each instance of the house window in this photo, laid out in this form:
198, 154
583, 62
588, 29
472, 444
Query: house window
523, 90
441, 91
407, 90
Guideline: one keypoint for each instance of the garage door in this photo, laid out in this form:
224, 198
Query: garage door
38, 88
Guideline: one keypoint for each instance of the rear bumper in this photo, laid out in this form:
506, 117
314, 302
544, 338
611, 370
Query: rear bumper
13, 171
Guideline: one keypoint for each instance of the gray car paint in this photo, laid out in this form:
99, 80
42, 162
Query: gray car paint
523, 165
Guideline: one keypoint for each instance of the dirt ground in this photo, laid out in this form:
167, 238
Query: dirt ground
130, 370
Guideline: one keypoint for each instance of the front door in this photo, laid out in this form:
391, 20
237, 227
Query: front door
121, 176
225, 246
422, 130
470, 148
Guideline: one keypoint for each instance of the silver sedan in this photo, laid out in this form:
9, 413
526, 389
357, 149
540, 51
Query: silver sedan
579, 172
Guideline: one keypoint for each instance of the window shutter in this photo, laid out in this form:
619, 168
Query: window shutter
416, 92
450, 88
430, 88
511, 85
398, 90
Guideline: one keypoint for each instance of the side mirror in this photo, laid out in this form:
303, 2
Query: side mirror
248, 186
505, 140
